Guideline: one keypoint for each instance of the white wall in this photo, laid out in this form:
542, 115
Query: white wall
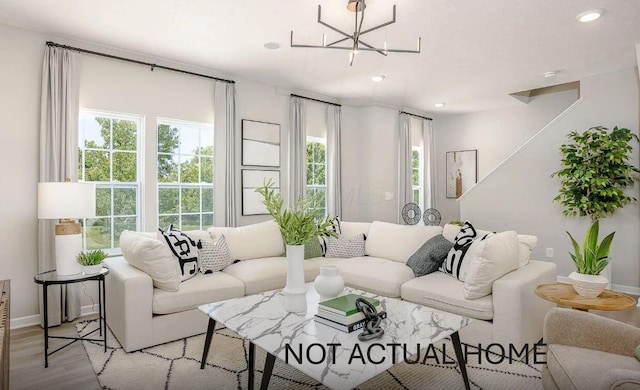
105, 85
369, 163
518, 195
495, 134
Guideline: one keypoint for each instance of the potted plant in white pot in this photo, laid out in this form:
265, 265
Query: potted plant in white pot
91, 261
594, 177
299, 223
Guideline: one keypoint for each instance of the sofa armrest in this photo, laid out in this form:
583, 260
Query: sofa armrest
620, 378
581, 329
518, 313
129, 299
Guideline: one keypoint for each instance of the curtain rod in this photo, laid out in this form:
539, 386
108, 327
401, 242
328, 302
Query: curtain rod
417, 116
316, 100
49, 43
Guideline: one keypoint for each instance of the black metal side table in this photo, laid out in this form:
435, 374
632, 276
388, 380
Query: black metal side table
50, 278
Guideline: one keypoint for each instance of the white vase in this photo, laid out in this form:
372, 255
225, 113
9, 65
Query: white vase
588, 286
329, 284
91, 269
295, 291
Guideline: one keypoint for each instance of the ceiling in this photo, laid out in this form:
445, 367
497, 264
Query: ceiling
474, 53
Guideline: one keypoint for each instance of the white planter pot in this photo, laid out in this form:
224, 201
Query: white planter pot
91, 269
329, 284
588, 286
295, 291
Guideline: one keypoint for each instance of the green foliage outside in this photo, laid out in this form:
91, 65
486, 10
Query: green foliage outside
114, 158
300, 222
594, 176
316, 176
592, 258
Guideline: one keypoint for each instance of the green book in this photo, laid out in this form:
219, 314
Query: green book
346, 304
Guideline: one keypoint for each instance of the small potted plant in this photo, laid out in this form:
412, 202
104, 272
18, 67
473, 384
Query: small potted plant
91, 261
594, 177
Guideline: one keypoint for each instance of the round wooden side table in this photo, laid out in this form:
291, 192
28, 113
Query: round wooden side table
564, 294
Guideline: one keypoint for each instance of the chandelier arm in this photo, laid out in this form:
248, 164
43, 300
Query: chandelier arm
336, 42
358, 29
392, 21
368, 47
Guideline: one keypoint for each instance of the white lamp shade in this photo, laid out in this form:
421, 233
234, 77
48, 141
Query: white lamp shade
66, 200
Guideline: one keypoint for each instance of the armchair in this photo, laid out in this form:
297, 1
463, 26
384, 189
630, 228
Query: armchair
586, 351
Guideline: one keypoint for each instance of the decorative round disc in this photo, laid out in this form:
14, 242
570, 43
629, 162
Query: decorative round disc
411, 213
431, 217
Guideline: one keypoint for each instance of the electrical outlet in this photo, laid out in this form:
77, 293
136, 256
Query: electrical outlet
549, 252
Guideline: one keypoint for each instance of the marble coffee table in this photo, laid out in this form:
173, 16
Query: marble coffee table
334, 358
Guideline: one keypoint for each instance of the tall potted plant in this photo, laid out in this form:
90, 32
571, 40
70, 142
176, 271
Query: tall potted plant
594, 177
299, 223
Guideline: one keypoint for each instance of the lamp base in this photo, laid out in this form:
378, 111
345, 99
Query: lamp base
68, 246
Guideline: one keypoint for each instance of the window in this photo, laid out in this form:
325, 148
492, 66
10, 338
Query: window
316, 176
185, 175
108, 155
416, 175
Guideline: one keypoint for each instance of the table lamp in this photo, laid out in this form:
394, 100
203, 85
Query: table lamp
66, 201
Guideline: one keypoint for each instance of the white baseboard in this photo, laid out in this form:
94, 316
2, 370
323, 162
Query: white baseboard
615, 287
23, 322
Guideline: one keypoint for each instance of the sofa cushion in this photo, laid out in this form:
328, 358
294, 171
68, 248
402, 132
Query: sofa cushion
429, 257
397, 242
151, 256
185, 250
313, 248
252, 241
581, 368
259, 275
380, 276
350, 229
344, 247
199, 290
441, 291
495, 256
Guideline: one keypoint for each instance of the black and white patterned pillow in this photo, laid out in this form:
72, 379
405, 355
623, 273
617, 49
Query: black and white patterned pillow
184, 249
214, 257
344, 248
457, 260
335, 221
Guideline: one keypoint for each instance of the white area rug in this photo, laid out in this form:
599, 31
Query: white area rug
176, 365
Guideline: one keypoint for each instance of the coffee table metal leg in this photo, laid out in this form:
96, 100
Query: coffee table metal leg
455, 339
207, 342
252, 364
268, 369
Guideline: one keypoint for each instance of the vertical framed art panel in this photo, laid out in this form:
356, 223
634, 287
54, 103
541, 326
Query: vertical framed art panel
462, 171
260, 143
251, 180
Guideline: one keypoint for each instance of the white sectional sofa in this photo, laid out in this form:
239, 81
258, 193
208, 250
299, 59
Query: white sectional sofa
141, 315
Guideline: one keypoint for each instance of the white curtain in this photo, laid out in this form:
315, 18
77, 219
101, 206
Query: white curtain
405, 187
58, 161
225, 118
429, 167
297, 149
334, 163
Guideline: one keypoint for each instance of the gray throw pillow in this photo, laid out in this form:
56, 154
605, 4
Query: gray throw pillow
430, 256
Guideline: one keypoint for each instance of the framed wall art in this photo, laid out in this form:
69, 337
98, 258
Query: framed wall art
251, 180
462, 171
260, 143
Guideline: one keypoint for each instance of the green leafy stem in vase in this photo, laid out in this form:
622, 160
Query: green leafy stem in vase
91, 257
592, 258
300, 222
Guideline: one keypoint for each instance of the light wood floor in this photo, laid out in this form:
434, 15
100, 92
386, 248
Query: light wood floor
70, 368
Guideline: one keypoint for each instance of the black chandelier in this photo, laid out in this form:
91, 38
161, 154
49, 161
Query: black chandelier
355, 43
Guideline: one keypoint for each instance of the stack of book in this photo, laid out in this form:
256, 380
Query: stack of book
341, 313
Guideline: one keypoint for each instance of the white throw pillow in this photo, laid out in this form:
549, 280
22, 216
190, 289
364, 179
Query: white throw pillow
153, 257
214, 256
493, 257
343, 247
526, 246
397, 242
252, 241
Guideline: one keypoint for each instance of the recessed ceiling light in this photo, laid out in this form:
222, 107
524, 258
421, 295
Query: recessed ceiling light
272, 45
589, 16
378, 78
439, 105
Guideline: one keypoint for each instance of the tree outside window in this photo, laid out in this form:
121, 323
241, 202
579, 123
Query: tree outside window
416, 176
316, 173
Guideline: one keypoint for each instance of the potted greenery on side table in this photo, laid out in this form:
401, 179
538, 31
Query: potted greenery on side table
91, 261
299, 223
594, 176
